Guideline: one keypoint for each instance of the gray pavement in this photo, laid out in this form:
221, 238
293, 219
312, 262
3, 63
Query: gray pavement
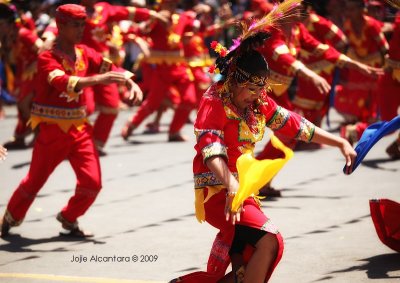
146, 210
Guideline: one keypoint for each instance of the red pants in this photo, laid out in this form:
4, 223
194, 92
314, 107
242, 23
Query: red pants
319, 103
389, 97
164, 76
219, 259
52, 146
202, 81
358, 96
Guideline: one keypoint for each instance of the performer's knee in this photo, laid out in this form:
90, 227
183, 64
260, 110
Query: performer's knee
92, 183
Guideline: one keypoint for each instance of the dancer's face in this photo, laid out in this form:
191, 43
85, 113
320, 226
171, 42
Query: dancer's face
245, 96
72, 31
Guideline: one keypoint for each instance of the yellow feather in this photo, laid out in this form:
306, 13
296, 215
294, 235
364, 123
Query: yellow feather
279, 12
394, 3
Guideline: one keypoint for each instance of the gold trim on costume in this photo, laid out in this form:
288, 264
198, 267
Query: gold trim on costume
63, 117
280, 50
208, 179
279, 119
306, 131
201, 132
214, 149
308, 104
165, 57
53, 74
105, 66
343, 59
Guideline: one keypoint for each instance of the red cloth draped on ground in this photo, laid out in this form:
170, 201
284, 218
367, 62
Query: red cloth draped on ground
385, 214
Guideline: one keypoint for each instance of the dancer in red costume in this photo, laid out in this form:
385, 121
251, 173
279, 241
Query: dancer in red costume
232, 117
283, 49
97, 35
389, 87
358, 99
170, 68
60, 113
19, 48
307, 101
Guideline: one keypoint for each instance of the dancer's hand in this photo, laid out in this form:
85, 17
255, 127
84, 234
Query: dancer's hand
233, 216
136, 94
349, 154
367, 70
3, 152
112, 77
319, 82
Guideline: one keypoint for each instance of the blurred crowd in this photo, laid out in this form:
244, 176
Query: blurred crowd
359, 29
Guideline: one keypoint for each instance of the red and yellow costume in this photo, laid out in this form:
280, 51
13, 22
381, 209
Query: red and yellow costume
358, 97
21, 55
197, 53
221, 131
169, 69
97, 34
60, 113
282, 53
390, 83
308, 102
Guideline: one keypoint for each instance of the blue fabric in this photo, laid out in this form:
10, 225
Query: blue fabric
371, 136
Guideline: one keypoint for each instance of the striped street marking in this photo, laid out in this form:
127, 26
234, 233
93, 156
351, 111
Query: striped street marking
61, 278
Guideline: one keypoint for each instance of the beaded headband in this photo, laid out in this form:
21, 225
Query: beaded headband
244, 77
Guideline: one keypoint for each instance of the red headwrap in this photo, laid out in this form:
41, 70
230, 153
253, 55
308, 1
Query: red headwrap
70, 12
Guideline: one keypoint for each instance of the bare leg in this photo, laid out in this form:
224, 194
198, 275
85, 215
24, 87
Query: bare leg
262, 260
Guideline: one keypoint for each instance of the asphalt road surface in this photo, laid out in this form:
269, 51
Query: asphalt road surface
145, 228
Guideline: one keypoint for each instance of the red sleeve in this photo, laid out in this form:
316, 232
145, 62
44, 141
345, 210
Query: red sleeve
209, 128
287, 122
99, 64
394, 50
54, 72
278, 55
330, 33
320, 50
375, 32
141, 14
119, 13
185, 24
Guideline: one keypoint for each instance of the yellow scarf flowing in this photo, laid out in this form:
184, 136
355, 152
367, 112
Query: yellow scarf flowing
254, 174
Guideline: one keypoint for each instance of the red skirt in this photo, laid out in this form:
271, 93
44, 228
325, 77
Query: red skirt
219, 259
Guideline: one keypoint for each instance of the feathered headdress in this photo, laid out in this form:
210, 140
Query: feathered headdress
252, 36
394, 3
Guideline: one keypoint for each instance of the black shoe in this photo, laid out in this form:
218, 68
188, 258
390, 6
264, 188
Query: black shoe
5, 227
15, 144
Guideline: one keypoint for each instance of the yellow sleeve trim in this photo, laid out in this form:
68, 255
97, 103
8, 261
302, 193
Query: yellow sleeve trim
343, 59
280, 50
72, 82
105, 66
54, 74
